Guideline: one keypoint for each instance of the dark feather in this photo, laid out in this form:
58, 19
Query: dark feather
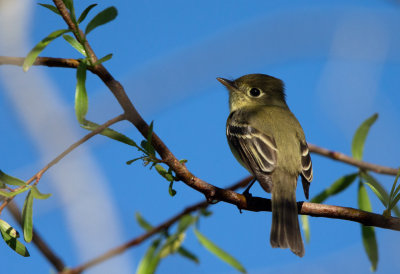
307, 171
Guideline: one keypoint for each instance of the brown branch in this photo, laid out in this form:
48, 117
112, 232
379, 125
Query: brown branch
161, 227
338, 156
41, 61
38, 240
73, 63
255, 204
38, 175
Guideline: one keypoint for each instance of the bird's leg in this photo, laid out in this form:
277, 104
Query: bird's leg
246, 193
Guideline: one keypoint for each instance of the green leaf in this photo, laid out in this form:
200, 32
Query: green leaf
14, 244
85, 13
172, 244
104, 59
101, 18
34, 53
70, 6
75, 44
149, 146
394, 190
371, 180
187, 254
183, 161
38, 195
110, 133
10, 180
210, 246
171, 191
184, 222
204, 212
27, 221
306, 227
368, 232
9, 194
338, 186
142, 222
81, 98
133, 160
8, 229
357, 146
377, 193
150, 260
50, 7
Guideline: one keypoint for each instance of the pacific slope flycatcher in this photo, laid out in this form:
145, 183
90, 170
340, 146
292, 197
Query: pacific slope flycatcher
266, 138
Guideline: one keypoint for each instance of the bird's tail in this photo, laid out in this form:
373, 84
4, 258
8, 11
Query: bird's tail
285, 230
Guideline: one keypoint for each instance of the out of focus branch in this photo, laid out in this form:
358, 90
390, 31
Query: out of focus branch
38, 175
338, 156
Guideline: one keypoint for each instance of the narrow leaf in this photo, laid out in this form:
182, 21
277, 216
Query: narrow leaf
50, 7
377, 193
394, 191
142, 222
81, 98
13, 193
306, 227
338, 186
368, 232
357, 146
75, 44
187, 254
15, 245
172, 244
133, 160
101, 18
38, 195
70, 6
150, 260
110, 133
210, 246
104, 59
27, 221
371, 180
184, 222
34, 53
10, 180
85, 13
8, 229
171, 191
149, 146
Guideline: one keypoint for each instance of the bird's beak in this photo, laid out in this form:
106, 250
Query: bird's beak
227, 83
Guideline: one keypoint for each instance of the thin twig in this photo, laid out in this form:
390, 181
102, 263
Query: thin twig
256, 204
41, 61
338, 156
161, 227
38, 175
38, 240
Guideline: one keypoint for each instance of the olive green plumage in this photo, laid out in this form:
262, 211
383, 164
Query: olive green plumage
266, 138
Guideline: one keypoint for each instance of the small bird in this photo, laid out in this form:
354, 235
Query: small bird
266, 138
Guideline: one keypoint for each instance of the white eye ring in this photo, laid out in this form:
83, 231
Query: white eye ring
255, 92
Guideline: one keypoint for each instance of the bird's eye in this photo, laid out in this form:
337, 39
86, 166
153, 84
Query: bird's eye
255, 92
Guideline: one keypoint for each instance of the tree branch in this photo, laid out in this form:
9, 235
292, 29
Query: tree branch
161, 227
255, 204
338, 156
38, 175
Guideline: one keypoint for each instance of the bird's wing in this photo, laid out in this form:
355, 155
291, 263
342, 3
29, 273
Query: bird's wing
307, 171
257, 150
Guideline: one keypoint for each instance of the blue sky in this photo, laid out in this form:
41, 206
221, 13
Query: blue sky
340, 63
